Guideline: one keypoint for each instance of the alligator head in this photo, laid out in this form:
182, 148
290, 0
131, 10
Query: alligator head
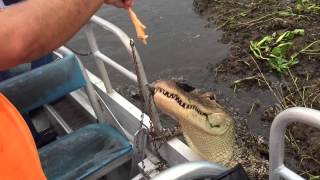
206, 126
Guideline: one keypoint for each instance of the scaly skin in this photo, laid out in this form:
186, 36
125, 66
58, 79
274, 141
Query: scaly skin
207, 128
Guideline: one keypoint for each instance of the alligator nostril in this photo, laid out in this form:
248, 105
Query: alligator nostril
151, 87
185, 86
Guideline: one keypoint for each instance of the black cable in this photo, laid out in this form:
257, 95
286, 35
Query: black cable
78, 52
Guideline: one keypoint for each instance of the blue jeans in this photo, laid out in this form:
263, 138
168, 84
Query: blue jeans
26, 67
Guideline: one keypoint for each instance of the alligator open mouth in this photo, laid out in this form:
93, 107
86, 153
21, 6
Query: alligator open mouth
206, 126
179, 100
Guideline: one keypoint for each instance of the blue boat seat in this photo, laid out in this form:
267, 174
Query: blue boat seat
89, 151
84, 152
43, 85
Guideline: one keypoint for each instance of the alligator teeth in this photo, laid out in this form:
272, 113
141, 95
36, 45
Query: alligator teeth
179, 101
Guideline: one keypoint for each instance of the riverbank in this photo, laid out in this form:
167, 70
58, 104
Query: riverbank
275, 48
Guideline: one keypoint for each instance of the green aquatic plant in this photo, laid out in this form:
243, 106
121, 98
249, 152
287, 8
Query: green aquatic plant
275, 49
307, 6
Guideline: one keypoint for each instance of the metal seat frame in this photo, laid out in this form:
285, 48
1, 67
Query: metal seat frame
98, 114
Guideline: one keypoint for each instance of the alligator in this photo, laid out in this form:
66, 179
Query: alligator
206, 126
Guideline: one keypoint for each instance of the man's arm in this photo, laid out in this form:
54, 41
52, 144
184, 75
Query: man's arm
33, 28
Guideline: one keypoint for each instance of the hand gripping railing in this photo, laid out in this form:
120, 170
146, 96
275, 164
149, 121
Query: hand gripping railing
277, 136
191, 170
100, 59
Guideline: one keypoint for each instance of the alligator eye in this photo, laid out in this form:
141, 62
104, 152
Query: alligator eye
211, 125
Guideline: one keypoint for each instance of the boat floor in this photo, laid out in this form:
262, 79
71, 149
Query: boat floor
71, 112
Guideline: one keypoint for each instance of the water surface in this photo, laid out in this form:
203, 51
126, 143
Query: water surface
179, 44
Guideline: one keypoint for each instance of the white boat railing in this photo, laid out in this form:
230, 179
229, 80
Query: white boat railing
140, 78
130, 117
277, 136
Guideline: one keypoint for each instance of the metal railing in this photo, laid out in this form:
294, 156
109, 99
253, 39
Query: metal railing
101, 59
63, 51
191, 170
277, 136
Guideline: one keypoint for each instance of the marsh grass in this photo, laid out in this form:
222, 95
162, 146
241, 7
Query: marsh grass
283, 56
279, 52
239, 18
308, 93
307, 6
275, 50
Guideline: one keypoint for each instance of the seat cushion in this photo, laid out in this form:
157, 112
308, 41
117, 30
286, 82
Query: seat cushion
83, 152
43, 85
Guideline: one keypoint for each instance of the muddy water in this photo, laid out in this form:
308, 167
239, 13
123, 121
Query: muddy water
179, 47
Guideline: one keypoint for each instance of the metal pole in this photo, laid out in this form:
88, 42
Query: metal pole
143, 85
89, 88
100, 65
92, 95
152, 111
117, 66
58, 118
277, 136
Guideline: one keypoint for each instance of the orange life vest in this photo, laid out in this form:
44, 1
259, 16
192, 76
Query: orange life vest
19, 157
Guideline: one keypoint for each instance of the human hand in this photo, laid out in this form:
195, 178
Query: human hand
120, 3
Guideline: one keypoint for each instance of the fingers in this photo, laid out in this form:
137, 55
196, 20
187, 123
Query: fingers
120, 3
128, 3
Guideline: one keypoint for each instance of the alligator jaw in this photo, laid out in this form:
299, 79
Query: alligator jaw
203, 113
207, 128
